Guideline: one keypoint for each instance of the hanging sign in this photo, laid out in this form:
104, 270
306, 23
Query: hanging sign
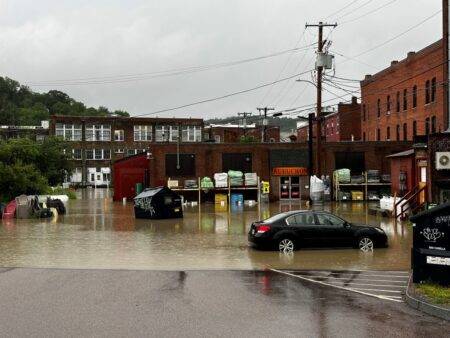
290, 171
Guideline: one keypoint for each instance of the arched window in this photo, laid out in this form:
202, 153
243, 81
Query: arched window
388, 104
398, 132
388, 133
427, 92
378, 134
427, 126
405, 132
433, 125
415, 128
379, 108
433, 89
414, 96
398, 102
405, 99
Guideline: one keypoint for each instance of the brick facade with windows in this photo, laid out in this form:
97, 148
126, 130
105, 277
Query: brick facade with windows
338, 126
228, 133
405, 99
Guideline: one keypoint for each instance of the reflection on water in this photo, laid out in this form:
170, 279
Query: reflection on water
97, 233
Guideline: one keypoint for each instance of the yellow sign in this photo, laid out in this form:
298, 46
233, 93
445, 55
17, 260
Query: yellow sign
265, 187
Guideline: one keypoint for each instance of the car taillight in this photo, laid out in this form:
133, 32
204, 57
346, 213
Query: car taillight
260, 229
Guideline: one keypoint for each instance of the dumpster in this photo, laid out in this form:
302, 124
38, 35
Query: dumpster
430, 259
158, 203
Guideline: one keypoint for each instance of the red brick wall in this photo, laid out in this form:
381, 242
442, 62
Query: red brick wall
415, 70
233, 135
405, 164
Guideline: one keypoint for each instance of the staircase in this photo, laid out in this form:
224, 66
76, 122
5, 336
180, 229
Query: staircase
411, 203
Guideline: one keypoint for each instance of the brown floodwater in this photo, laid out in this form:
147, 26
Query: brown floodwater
98, 233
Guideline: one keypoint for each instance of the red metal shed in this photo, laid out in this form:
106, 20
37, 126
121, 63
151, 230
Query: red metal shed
127, 173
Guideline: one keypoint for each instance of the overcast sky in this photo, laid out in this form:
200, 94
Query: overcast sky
52, 40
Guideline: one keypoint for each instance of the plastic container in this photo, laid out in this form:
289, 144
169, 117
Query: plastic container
357, 195
221, 199
237, 199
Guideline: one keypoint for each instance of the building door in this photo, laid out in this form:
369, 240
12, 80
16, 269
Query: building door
289, 187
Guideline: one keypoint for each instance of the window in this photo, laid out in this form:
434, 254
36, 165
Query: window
433, 89
131, 152
98, 132
304, 218
237, 161
364, 112
119, 151
414, 103
98, 154
181, 165
405, 132
398, 102
433, 125
378, 108
364, 136
327, 219
191, 134
143, 133
76, 154
415, 128
405, 99
388, 133
378, 134
427, 126
119, 135
166, 133
398, 132
427, 92
388, 104
217, 138
68, 132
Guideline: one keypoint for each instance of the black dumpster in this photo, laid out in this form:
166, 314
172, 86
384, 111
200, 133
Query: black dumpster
158, 203
431, 245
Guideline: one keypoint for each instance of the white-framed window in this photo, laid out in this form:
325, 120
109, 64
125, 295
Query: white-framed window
217, 138
143, 133
191, 134
77, 175
166, 133
68, 131
77, 154
131, 152
98, 154
98, 132
119, 135
119, 151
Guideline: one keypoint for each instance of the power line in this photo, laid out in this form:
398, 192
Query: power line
369, 13
354, 10
342, 9
164, 73
222, 97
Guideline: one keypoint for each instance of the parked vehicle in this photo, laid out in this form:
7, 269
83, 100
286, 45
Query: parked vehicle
292, 230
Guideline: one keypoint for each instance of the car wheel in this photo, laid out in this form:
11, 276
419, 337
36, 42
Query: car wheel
286, 245
365, 244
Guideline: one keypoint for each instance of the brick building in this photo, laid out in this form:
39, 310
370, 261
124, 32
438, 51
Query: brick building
405, 99
233, 133
97, 142
337, 126
37, 133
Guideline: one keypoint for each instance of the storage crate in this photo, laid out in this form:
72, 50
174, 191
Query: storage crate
357, 196
221, 199
344, 196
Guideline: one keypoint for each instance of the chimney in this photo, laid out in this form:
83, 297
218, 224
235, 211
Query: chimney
367, 77
410, 54
354, 100
393, 63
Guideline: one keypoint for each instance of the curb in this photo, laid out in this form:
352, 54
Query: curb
428, 308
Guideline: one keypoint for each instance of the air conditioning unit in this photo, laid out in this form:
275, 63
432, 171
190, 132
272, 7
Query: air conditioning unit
443, 160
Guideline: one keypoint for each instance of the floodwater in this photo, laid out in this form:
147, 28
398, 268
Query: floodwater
99, 234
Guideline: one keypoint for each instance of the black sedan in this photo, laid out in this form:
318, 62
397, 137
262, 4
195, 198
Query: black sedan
298, 229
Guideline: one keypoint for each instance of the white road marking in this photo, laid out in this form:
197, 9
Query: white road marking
390, 291
337, 286
367, 284
356, 279
360, 274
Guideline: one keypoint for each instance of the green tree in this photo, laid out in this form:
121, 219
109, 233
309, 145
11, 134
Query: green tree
53, 160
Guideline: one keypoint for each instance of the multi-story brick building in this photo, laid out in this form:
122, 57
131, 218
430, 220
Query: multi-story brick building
96, 142
405, 99
233, 133
337, 126
37, 133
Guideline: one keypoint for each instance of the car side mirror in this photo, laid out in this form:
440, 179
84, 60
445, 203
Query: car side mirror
347, 225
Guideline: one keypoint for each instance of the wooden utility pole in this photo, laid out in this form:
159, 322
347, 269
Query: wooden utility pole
265, 122
244, 121
320, 25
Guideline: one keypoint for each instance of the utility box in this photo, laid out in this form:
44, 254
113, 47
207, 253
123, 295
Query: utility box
324, 60
430, 259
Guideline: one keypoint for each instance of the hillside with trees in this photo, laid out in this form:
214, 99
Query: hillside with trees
21, 106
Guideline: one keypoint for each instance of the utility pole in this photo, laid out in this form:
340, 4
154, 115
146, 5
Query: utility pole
319, 68
244, 121
265, 122
445, 38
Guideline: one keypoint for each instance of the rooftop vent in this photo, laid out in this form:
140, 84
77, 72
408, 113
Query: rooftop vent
410, 54
394, 62
367, 77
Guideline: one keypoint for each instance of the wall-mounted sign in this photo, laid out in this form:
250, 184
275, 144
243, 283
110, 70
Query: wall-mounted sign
290, 171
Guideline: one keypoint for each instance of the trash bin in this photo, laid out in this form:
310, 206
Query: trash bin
23, 207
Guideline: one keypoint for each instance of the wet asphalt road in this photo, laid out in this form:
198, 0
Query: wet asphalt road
118, 303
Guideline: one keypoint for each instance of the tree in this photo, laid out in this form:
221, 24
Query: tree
53, 160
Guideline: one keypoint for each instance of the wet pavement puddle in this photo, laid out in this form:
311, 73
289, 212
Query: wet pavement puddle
387, 285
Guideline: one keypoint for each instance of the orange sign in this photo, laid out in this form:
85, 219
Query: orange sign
290, 171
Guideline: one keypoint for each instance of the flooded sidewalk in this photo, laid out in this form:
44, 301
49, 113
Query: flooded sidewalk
99, 234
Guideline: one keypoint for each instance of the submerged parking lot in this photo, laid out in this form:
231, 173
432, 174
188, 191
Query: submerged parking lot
99, 234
